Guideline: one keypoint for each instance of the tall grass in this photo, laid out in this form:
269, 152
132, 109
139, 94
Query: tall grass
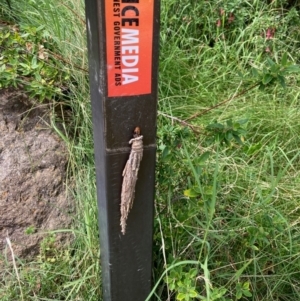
240, 219
73, 274
226, 225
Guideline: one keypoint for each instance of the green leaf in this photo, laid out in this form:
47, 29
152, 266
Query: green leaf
228, 136
218, 293
172, 286
193, 293
6, 35
292, 68
275, 68
222, 291
193, 273
187, 281
246, 285
201, 160
270, 62
208, 190
191, 193
240, 74
180, 284
254, 72
247, 293
284, 59
243, 121
267, 78
40, 28
25, 66
253, 148
165, 152
238, 139
229, 122
2, 68
255, 248
215, 125
239, 295
281, 80
34, 63
180, 296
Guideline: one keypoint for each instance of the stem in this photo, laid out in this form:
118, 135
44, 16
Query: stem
183, 122
221, 103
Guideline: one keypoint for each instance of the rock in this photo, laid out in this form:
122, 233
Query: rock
33, 160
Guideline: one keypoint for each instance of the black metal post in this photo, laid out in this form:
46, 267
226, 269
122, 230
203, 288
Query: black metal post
123, 42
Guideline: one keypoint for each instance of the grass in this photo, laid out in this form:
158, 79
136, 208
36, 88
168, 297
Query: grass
226, 223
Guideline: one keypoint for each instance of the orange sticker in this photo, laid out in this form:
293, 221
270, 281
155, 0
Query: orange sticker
129, 36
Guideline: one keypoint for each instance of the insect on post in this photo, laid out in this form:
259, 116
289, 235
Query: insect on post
123, 40
130, 174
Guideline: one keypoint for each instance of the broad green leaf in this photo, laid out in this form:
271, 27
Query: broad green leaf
229, 122
270, 61
238, 139
203, 158
229, 136
180, 284
281, 80
243, 121
193, 273
6, 35
217, 295
191, 193
240, 74
165, 153
180, 296
267, 78
246, 285
255, 248
25, 66
208, 190
193, 293
239, 295
34, 63
254, 72
215, 125
2, 68
247, 293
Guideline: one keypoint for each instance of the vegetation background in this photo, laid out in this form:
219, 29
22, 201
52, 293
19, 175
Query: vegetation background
228, 176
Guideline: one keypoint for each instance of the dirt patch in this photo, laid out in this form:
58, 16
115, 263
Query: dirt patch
33, 160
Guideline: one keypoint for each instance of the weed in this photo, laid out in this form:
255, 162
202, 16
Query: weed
227, 212
25, 62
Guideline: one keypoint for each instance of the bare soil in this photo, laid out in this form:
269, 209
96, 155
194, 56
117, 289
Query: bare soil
33, 161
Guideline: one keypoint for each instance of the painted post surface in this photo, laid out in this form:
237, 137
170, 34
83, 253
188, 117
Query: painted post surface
123, 40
